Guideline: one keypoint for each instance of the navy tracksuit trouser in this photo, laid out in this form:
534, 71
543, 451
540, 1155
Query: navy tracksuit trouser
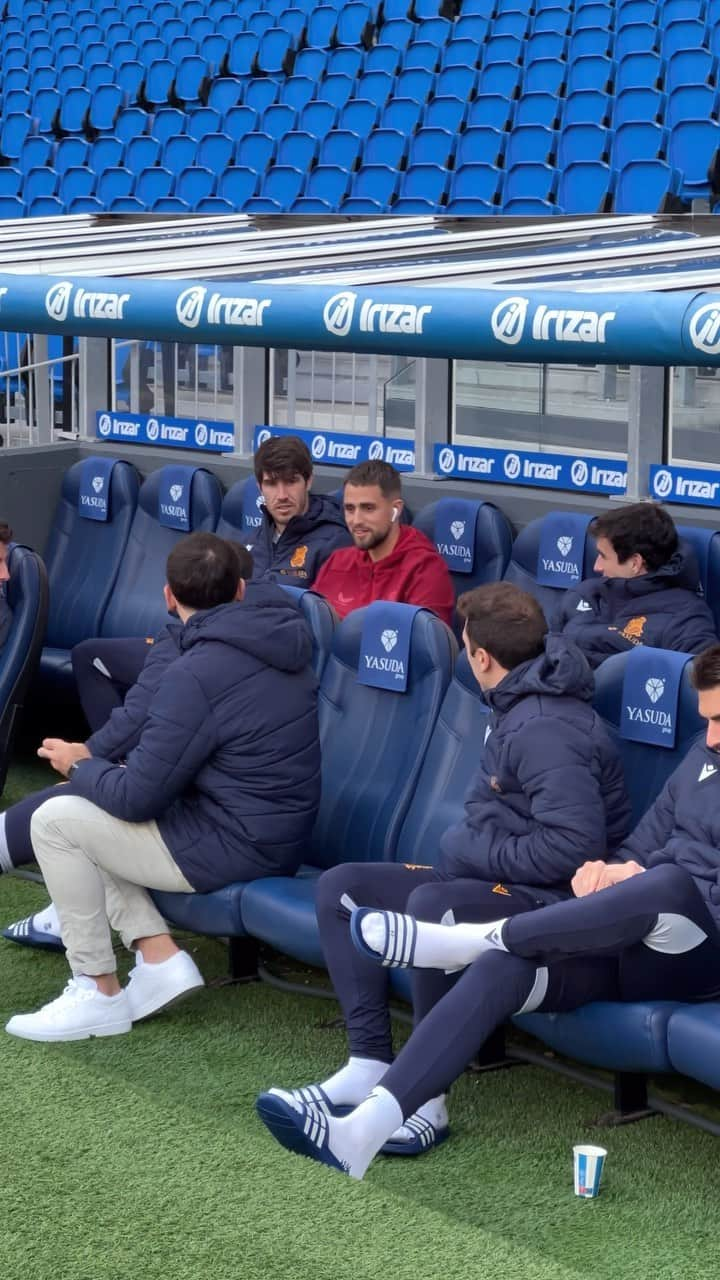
101, 693
361, 985
648, 938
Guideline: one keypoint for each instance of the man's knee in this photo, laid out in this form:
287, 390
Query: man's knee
334, 885
82, 656
50, 815
668, 879
429, 901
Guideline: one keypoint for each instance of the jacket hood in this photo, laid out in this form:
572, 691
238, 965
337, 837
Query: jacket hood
267, 624
322, 509
409, 543
679, 571
561, 671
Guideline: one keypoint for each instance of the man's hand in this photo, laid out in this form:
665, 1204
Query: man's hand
593, 876
62, 754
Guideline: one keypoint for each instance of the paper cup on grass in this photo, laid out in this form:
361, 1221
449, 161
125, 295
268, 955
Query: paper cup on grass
588, 1165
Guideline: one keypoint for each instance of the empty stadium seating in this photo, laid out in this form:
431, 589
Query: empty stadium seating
644, 78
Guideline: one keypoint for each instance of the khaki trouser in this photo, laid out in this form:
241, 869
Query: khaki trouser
98, 870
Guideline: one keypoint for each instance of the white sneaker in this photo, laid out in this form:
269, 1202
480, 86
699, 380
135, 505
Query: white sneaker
79, 1013
152, 987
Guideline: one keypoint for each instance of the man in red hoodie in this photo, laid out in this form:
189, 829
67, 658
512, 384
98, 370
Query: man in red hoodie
389, 560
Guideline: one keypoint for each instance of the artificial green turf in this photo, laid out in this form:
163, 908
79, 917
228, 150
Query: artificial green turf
141, 1157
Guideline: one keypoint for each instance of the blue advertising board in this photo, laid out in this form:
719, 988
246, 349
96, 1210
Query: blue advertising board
173, 433
543, 470
699, 486
344, 449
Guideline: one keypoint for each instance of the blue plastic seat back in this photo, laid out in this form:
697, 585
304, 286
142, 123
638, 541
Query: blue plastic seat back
445, 113
340, 146
488, 552
83, 557
693, 144
27, 593
367, 783
322, 621
584, 186
647, 768
705, 545
451, 761
642, 185
583, 142
523, 564
136, 607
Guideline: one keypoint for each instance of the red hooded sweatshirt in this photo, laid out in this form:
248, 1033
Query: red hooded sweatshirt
413, 573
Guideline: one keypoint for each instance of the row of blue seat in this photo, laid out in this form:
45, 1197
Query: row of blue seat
379, 804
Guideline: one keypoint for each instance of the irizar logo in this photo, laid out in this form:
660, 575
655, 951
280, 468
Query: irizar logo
549, 324
654, 688
104, 424
662, 484
564, 545
374, 317
579, 472
262, 436
707, 771
376, 452
87, 304
530, 469
221, 310
318, 447
335, 450
201, 435
446, 460
152, 429
457, 529
705, 328
388, 640
97, 483
512, 466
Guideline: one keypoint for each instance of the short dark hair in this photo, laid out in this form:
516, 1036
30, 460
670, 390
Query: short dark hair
387, 479
5, 532
643, 529
283, 458
204, 570
705, 669
505, 620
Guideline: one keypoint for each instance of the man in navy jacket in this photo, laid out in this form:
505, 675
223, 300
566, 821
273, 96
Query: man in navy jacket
644, 927
548, 791
648, 592
223, 784
299, 529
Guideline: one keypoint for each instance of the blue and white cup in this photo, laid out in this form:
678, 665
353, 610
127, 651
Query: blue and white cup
588, 1165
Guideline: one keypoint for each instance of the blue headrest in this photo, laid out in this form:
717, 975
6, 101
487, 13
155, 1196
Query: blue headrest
705, 546
647, 767
451, 761
491, 538
523, 566
374, 741
321, 619
137, 607
83, 557
241, 514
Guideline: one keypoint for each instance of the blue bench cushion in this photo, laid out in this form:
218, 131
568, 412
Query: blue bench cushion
618, 1037
282, 913
694, 1042
216, 914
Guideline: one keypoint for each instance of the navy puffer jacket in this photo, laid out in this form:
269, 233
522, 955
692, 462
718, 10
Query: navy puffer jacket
304, 545
660, 609
550, 791
683, 825
228, 759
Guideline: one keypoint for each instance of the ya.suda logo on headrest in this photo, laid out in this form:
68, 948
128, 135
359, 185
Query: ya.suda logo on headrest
564, 546
176, 492
457, 529
388, 640
654, 688
97, 483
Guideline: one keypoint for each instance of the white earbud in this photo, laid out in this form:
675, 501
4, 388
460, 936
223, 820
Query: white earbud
395, 514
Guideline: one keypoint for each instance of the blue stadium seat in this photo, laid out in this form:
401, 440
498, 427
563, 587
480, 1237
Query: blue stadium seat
158, 82
299, 149
587, 106
194, 183
402, 114
693, 144
107, 101
75, 182
10, 182
593, 15
682, 34
255, 151
140, 153
354, 25
113, 183
225, 92
590, 42
456, 82
276, 53
546, 44
399, 32
237, 185
537, 109
74, 109
358, 817
585, 186
262, 93
485, 556
460, 53
166, 123
432, 147
637, 11
282, 184
83, 559
242, 54
641, 71
153, 184
27, 593
105, 151
136, 606
322, 24
376, 182
530, 143
529, 181
40, 183
339, 147
416, 83
385, 57
643, 185
36, 150
476, 182
633, 105
427, 182
638, 140
583, 142
294, 21
691, 102
386, 147
690, 66
321, 619
130, 123
359, 116
490, 111
213, 47
178, 152
297, 92
501, 79
376, 86
278, 119
191, 79
444, 113
328, 183
547, 75
591, 72
522, 568
16, 127
505, 49
636, 37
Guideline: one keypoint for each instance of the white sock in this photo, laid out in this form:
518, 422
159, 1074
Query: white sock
353, 1082
6, 862
439, 946
435, 1111
47, 921
356, 1139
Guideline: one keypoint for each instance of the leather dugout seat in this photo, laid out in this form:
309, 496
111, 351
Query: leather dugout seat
483, 543
27, 593
523, 565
